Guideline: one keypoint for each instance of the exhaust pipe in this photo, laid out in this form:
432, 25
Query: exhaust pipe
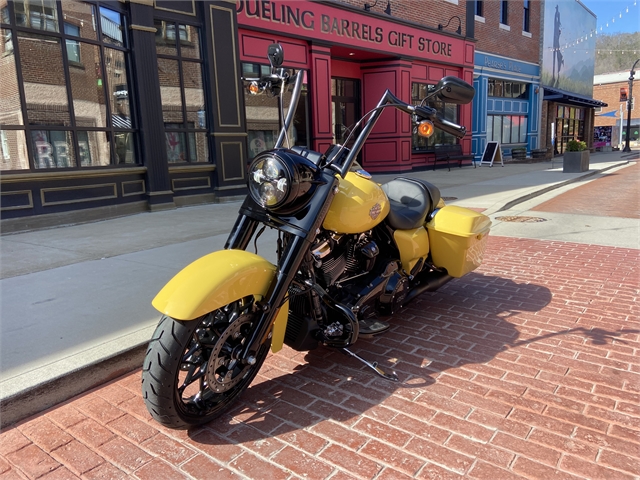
429, 281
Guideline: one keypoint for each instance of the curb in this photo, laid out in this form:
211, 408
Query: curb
52, 392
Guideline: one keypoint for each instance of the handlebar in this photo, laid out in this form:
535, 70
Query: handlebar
390, 100
443, 124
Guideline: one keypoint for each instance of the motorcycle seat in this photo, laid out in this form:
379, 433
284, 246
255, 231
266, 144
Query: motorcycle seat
411, 200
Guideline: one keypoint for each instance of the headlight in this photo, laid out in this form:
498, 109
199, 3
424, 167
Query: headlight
282, 180
269, 181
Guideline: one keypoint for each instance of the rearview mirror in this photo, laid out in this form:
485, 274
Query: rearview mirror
275, 54
454, 90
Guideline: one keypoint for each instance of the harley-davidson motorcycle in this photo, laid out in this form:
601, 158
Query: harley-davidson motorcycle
350, 252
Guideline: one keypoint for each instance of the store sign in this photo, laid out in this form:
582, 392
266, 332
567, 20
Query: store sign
343, 27
502, 65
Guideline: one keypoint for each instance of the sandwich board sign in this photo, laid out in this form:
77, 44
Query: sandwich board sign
491, 153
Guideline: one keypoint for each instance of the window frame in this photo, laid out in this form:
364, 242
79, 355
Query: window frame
441, 107
498, 119
259, 69
526, 19
495, 85
72, 128
186, 130
504, 12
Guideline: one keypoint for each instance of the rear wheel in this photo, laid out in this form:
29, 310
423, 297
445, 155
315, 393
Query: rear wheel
191, 373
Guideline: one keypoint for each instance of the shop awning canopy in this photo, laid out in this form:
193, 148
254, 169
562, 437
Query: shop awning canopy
571, 98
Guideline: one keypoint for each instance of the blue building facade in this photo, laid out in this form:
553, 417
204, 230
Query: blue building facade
507, 104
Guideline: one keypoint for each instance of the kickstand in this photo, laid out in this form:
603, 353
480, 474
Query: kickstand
374, 366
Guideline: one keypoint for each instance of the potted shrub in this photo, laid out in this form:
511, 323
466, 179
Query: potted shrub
576, 157
518, 153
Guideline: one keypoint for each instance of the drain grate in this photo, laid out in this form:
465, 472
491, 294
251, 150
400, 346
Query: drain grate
519, 219
449, 199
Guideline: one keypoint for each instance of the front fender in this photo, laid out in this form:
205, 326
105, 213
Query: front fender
214, 281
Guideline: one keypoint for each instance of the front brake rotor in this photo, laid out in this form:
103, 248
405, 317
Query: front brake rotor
224, 370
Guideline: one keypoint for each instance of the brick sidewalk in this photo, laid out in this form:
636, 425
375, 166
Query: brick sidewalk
528, 368
615, 194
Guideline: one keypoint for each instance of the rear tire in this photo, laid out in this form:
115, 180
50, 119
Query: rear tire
189, 376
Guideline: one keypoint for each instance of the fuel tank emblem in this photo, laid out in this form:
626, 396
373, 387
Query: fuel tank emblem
363, 174
375, 211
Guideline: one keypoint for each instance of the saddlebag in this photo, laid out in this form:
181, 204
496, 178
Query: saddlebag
458, 237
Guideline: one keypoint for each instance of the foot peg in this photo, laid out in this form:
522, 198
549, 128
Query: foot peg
374, 366
372, 326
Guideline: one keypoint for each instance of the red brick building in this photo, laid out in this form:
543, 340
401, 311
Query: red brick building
613, 89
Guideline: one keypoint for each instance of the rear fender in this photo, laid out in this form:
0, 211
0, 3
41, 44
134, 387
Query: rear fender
214, 281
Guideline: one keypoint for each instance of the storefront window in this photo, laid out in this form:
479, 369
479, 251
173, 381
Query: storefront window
508, 89
263, 123
447, 110
72, 109
181, 74
507, 129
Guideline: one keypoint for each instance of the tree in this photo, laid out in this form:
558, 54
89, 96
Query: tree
616, 53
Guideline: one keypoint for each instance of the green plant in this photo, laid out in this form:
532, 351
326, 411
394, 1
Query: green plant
576, 146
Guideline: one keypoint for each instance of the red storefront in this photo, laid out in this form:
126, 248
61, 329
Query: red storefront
351, 58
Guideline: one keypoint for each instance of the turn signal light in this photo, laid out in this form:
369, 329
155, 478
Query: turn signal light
254, 88
425, 128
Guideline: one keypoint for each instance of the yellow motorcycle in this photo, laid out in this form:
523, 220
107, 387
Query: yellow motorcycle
350, 253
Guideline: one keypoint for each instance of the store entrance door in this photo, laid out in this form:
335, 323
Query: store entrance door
569, 126
345, 98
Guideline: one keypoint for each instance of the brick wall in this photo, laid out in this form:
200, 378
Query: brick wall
490, 37
428, 13
510, 43
610, 94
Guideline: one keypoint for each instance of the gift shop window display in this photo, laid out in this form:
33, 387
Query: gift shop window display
263, 123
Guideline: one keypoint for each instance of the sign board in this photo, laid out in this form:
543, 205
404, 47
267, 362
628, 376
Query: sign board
623, 94
491, 152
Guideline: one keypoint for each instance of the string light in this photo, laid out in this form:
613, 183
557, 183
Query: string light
590, 34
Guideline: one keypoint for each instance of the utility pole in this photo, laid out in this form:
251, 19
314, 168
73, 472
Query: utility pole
629, 102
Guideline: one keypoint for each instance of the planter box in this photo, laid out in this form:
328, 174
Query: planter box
539, 153
518, 154
575, 162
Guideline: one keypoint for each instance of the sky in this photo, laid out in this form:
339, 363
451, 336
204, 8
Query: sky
615, 16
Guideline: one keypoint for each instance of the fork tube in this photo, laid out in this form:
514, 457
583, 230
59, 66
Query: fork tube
295, 96
241, 233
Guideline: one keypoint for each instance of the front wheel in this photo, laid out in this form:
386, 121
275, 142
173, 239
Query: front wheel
191, 373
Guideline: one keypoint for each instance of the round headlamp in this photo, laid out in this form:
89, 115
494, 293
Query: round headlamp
269, 181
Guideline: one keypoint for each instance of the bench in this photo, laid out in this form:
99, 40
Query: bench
446, 153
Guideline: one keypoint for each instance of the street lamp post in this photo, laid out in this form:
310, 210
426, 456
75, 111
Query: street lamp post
629, 102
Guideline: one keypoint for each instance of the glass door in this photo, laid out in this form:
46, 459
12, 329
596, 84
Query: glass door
345, 97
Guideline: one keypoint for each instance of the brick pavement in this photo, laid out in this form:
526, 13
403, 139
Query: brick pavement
615, 194
527, 368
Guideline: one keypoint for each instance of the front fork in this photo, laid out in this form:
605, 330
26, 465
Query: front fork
288, 264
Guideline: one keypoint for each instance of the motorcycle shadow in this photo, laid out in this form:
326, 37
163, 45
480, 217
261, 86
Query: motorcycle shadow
435, 345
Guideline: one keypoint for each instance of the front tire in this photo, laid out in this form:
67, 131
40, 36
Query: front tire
189, 375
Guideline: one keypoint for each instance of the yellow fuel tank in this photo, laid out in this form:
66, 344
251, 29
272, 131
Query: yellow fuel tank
359, 205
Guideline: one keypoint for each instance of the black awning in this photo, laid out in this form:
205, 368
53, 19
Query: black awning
571, 98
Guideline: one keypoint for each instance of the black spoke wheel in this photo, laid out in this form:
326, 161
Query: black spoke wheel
191, 373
